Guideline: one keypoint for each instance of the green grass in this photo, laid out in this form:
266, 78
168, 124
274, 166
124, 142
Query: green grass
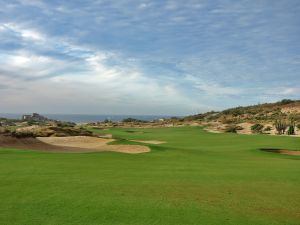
195, 178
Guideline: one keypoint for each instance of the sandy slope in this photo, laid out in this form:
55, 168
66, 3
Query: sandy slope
92, 143
70, 144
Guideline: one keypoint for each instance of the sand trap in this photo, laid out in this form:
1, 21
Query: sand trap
70, 144
93, 144
105, 136
154, 142
32, 144
289, 152
78, 141
283, 151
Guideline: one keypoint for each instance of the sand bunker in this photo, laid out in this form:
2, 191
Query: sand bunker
282, 151
70, 144
92, 144
105, 136
289, 152
29, 143
154, 142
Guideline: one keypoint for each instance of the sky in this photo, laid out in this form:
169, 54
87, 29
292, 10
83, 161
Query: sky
147, 57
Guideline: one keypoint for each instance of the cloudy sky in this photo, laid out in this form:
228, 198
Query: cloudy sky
147, 57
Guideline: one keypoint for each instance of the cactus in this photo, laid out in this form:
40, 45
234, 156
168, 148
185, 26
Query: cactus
280, 126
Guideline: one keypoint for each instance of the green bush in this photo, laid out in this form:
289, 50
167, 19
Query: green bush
225, 120
22, 134
65, 124
268, 128
285, 101
132, 120
257, 128
291, 130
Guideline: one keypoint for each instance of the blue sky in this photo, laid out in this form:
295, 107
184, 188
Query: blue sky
147, 57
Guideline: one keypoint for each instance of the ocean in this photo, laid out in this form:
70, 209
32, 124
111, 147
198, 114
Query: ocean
82, 118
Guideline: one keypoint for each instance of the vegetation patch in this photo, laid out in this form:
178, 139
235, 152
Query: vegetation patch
257, 128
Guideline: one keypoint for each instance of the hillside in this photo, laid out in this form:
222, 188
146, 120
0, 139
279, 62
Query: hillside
262, 112
264, 116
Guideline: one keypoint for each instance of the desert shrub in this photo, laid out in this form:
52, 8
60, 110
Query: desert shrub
65, 124
292, 124
31, 122
268, 128
22, 134
285, 101
227, 120
70, 131
131, 120
291, 130
261, 117
231, 129
257, 128
239, 128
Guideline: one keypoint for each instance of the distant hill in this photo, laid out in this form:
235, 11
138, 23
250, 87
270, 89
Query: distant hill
266, 112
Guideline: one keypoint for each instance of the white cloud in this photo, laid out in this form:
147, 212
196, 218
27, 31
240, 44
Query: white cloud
209, 88
214, 89
90, 82
25, 34
156, 44
282, 91
290, 91
178, 19
35, 3
26, 65
171, 5
144, 5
